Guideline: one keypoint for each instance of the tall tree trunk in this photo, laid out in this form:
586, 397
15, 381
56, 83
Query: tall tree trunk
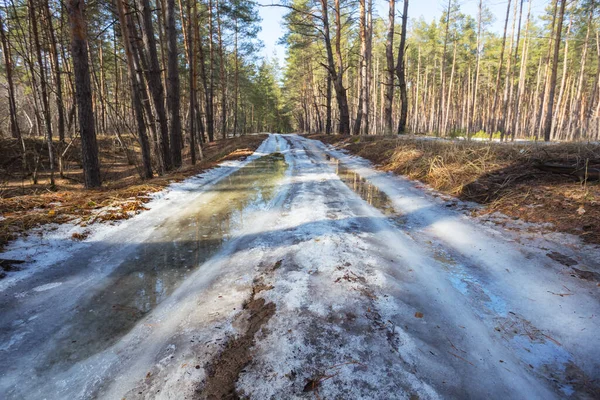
83, 90
192, 83
521, 82
336, 78
222, 74
400, 71
173, 93
366, 106
153, 77
207, 93
552, 88
344, 127
499, 72
210, 112
578, 97
136, 89
508, 78
473, 104
390, 70
57, 74
236, 79
441, 101
362, 76
539, 126
12, 104
33, 20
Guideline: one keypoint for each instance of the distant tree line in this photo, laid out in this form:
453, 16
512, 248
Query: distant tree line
350, 71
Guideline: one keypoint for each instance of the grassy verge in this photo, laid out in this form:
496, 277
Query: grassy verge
503, 177
24, 206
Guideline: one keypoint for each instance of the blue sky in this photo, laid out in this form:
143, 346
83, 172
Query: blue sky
272, 16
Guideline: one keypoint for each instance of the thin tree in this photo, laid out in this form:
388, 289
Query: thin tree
173, 92
390, 70
362, 76
33, 20
136, 88
400, 71
153, 77
83, 92
552, 88
12, 104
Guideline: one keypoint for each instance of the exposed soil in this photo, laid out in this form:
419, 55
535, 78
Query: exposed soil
224, 370
504, 177
24, 206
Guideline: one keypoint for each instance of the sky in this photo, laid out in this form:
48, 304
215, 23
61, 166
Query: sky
429, 9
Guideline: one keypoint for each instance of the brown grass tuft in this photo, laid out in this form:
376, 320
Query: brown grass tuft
504, 177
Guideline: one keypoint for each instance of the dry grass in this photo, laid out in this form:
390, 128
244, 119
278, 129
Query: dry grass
503, 177
24, 206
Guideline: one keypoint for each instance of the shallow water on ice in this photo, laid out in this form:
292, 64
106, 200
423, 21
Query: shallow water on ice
178, 246
367, 191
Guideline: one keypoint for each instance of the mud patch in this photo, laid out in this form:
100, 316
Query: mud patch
223, 372
9, 266
586, 275
561, 258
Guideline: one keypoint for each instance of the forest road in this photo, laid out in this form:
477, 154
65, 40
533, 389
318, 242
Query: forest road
305, 273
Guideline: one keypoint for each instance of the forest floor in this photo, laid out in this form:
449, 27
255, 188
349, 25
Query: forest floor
24, 206
502, 176
301, 272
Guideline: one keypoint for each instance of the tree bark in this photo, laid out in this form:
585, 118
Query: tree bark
222, 74
344, 126
57, 74
192, 83
362, 65
153, 77
328, 106
12, 104
400, 71
83, 91
549, 109
136, 90
43, 86
390, 71
173, 92
499, 72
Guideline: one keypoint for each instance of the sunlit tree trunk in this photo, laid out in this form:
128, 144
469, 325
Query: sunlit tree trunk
173, 92
83, 89
552, 82
400, 71
390, 70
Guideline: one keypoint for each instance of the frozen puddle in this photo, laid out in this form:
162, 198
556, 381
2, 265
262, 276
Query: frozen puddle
367, 191
178, 247
143, 278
